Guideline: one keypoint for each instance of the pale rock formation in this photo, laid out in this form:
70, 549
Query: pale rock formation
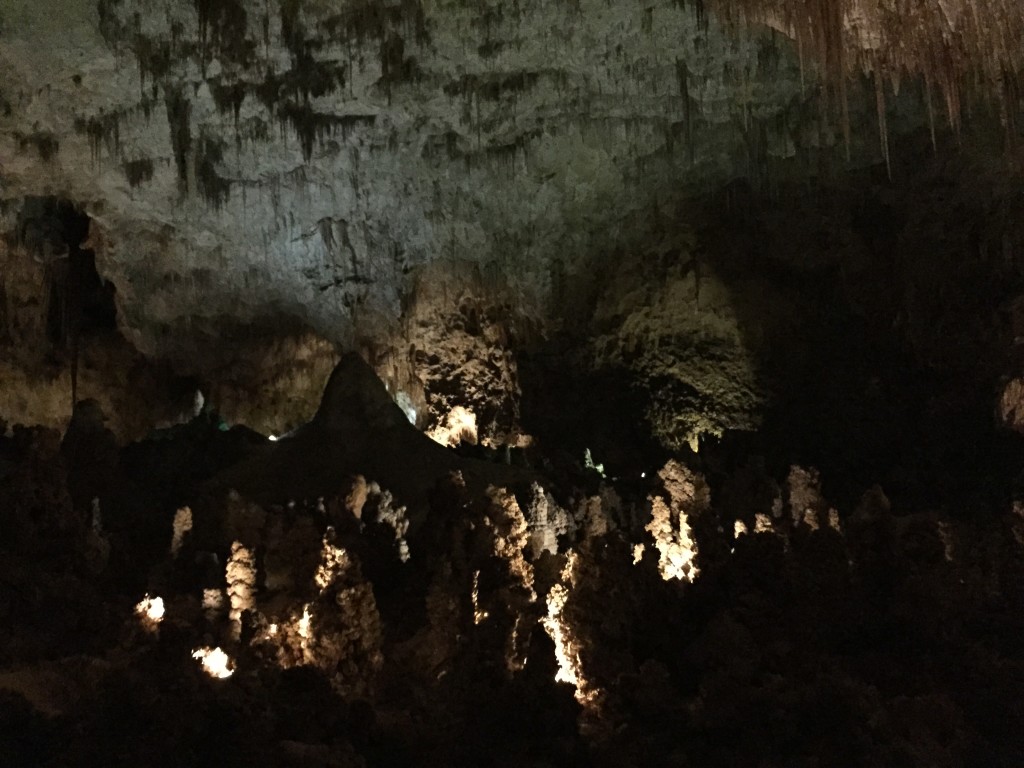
150, 612
207, 125
240, 574
833, 520
35, 373
214, 603
1011, 405
672, 536
511, 535
456, 358
181, 526
547, 521
356, 498
457, 427
594, 516
806, 504
671, 322
267, 180
334, 562
215, 662
568, 643
392, 516
269, 381
425, 182
669, 526
339, 631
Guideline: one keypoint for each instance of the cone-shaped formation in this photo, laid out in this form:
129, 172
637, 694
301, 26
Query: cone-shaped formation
354, 395
357, 430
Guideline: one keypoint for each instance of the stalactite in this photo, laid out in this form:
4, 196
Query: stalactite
951, 44
1008, 108
845, 114
1004, 120
953, 109
800, 56
883, 125
931, 112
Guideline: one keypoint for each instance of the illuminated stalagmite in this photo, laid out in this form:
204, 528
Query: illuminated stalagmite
688, 495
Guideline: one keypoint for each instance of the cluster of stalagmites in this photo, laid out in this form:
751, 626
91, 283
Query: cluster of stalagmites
790, 557
296, 596
290, 592
641, 623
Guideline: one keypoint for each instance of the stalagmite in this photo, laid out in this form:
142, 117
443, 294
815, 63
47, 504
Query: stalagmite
511, 536
670, 530
570, 669
182, 526
241, 580
394, 517
485, 210
150, 611
215, 662
669, 525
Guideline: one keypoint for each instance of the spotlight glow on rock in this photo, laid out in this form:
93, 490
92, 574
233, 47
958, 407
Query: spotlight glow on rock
216, 663
150, 611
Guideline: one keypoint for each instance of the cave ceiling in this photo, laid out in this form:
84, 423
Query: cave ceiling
303, 158
303, 164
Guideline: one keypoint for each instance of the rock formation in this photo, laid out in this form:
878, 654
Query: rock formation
512, 383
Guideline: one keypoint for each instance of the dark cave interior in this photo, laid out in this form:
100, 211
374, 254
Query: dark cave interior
864, 642
743, 488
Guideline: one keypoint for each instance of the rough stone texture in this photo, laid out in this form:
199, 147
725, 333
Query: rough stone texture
670, 322
426, 182
1011, 412
271, 382
268, 376
457, 349
892, 641
36, 373
300, 159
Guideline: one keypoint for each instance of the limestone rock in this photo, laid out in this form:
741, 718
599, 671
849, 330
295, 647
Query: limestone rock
246, 161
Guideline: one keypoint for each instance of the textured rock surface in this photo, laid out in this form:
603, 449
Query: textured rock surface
429, 183
529, 627
670, 321
566, 214
247, 160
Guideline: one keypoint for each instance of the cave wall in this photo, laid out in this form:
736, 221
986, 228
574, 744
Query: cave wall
428, 183
302, 159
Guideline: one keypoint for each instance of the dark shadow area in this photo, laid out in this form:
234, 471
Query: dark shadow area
571, 408
876, 315
385, 601
78, 301
887, 371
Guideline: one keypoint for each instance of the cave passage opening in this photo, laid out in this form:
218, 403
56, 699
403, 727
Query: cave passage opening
77, 302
